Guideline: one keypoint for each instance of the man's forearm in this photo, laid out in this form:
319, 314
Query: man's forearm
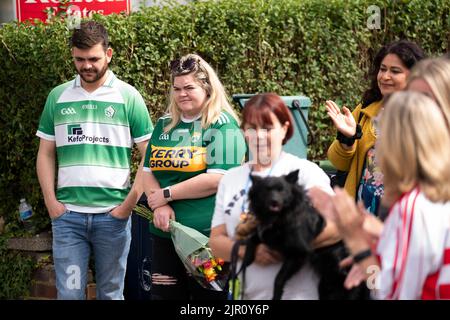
136, 190
149, 182
45, 168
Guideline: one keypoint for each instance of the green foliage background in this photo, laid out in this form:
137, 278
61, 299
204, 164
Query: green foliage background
15, 272
321, 49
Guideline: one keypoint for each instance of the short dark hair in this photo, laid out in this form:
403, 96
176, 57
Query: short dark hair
88, 35
408, 52
257, 111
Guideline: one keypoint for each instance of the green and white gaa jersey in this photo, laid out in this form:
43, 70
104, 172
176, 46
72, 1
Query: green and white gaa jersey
94, 134
188, 150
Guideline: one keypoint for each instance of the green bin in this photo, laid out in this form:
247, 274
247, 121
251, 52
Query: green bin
298, 105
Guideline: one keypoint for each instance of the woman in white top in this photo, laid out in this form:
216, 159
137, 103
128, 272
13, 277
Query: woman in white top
268, 125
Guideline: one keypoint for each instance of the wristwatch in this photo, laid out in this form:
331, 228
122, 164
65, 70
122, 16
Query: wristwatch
167, 194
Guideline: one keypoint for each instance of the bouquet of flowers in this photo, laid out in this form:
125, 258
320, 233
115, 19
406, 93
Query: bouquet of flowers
193, 250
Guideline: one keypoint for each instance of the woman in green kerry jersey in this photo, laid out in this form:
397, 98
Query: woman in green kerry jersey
192, 146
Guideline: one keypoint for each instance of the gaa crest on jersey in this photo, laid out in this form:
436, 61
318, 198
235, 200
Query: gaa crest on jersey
164, 136
109, 112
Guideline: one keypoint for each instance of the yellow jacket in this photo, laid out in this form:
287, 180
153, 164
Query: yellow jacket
353, 160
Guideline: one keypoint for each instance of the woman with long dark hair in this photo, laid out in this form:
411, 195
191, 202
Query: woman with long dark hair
353, 149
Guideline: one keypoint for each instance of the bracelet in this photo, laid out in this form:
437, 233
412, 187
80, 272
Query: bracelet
360, 256
349, 141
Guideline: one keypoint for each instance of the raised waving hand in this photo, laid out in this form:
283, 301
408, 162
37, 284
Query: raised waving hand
343, 120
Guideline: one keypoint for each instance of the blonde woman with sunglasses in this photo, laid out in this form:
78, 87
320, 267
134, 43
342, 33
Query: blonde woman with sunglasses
192, 146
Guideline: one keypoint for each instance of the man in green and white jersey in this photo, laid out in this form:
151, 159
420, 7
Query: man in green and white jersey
90, 124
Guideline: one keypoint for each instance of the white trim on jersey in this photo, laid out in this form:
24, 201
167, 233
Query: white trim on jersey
223, 119
220, 171
93, 176
45, 136
143, 138
104, 94
189, 120
82, 209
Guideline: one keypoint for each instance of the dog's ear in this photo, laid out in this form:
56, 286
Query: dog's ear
292, 177
255, 179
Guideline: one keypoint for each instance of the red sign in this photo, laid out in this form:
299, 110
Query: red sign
32, 9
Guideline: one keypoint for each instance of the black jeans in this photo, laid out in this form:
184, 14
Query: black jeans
170, 280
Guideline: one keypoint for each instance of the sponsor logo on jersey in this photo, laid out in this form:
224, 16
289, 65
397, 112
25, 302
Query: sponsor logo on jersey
68, 111
74, 129
89, 107
75, 135
188, 159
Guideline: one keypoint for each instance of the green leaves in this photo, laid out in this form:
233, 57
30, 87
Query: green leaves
321, 49
144, 212
15, 273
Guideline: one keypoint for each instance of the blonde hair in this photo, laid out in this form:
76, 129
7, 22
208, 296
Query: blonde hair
436, 73
216, 101
413, 147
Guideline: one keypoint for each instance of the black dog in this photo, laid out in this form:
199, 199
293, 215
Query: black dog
288, 223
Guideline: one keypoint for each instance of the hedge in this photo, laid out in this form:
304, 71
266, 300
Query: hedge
320, 49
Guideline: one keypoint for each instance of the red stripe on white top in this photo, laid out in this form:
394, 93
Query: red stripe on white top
407, 223
446, 256
429, 287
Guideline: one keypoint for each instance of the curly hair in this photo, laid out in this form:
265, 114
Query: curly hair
408, 52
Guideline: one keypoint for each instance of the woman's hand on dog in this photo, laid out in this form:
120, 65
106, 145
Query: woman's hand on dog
265, 256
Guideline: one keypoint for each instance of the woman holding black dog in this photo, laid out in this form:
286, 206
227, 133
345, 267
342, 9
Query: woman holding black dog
268, 125
354, 148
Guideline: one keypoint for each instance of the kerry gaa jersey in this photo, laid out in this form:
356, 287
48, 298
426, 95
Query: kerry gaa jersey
94, 134
188, 150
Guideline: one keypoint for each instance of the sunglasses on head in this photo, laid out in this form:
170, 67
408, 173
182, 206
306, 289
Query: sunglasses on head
180, 67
